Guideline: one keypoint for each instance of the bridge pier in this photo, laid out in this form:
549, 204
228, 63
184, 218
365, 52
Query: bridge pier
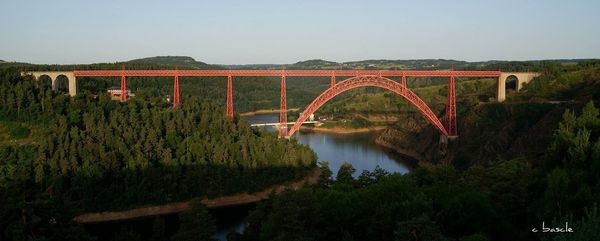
283, 109
451, 109
123, 87
176, 100
230, 96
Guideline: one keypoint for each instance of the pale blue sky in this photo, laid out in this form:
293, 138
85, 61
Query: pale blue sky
287, 31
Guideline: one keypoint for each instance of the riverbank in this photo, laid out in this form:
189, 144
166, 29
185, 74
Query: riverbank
340, 130
414, 156
269, 111
176, 207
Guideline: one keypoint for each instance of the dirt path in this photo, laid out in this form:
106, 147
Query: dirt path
232, 200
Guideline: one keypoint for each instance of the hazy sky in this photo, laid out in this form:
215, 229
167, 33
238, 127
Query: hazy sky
287, 31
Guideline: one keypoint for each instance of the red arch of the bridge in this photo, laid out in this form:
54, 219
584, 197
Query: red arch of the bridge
369, 80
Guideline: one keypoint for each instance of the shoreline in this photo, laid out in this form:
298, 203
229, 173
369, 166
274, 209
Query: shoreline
415, 157
339, 130
177, 207
244, 197
267, 111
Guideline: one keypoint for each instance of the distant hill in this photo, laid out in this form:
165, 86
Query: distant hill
186, 62
183, 62
373, 64
315, 64
252, 66
308, 64
405, 64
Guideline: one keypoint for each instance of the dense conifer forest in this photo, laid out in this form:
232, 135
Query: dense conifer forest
68, 155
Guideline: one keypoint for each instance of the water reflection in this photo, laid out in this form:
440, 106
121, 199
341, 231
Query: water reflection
359, 150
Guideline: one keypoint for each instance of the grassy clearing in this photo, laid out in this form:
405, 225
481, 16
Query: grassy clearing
15, 133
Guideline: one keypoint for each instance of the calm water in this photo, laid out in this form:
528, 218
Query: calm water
359, 150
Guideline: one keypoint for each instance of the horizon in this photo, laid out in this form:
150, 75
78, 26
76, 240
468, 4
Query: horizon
350, 61
271, 32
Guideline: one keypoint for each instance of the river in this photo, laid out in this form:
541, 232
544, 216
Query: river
358, 149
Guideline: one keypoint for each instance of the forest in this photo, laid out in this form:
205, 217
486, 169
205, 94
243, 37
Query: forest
501, 200
68, 155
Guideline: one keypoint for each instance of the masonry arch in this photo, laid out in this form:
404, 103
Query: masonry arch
512, 82
44, 81
61, 83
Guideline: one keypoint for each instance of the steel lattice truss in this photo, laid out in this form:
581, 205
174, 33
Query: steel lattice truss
357, 78
183, 73
369, 80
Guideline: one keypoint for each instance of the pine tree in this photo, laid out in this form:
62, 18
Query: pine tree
345, 173
325, 178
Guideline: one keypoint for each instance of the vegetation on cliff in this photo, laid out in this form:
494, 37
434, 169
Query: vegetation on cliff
518, 127
501, 200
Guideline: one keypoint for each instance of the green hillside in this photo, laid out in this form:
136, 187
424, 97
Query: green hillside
183, 62
514, 166
315, 64
518, 127
533, 65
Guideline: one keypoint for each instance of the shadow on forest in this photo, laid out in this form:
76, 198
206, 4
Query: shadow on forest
158, 185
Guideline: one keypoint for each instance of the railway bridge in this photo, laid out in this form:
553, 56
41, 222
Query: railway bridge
393, 80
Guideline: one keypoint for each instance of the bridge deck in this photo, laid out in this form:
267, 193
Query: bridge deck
408, 73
